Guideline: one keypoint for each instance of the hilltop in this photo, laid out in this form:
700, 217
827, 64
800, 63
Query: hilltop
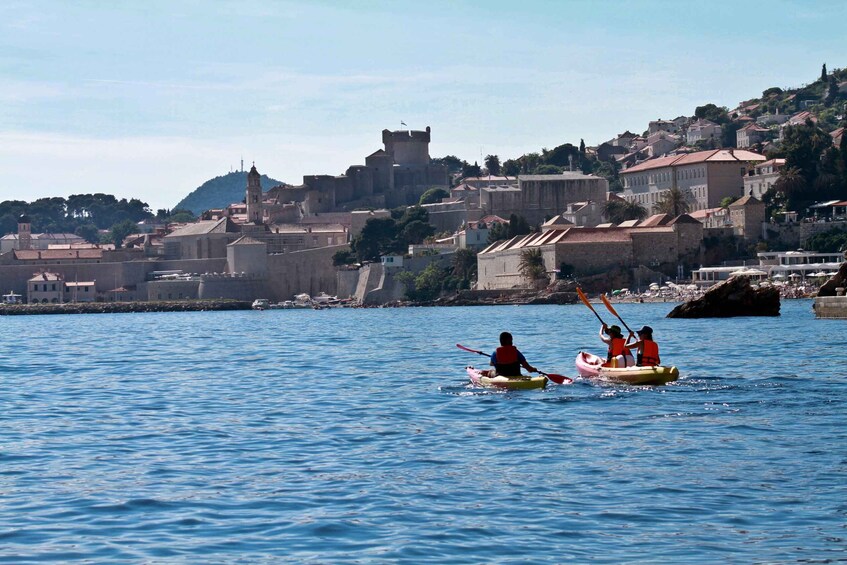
220, 192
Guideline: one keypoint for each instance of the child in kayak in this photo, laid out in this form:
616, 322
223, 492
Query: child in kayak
648, 350
618, 356
507, 360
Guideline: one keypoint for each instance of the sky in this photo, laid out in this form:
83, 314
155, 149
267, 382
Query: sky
149, 99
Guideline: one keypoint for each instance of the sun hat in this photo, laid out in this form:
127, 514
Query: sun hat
645, 330
615, 330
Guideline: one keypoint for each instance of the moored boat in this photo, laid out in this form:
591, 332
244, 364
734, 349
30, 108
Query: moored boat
480, 377
591, 366
261, 304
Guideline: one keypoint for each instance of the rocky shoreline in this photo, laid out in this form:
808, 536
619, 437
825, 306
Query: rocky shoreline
122, 307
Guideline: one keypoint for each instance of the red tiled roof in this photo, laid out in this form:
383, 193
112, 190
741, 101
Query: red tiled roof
711, 156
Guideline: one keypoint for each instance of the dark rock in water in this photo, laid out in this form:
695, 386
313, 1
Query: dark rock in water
835, 281
733, 297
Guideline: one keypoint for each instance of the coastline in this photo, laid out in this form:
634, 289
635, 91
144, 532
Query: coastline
122, 307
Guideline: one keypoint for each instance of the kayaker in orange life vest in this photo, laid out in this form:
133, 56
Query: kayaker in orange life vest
507, 360
648, 350
619, 356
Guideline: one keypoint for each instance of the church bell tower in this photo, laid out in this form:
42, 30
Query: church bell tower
24, 232
254, 196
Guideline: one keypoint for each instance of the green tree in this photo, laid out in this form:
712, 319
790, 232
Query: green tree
433, 195
88, 232
791, 188
803, 146
518, 226
378, 236
673, 202
511, 167
582, 146
713, 113
429, 282
471, 171
453, 163
831, 91
464, 266
623, 210
343, 257
497, 232
492, 163
416, 232
531, 267
823, 73
120, 231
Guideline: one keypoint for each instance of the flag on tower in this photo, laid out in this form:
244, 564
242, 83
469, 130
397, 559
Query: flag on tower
402, 123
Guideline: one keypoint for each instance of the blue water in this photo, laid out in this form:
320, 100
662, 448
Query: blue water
350, 436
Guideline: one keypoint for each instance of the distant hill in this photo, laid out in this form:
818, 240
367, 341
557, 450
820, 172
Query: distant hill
220, 192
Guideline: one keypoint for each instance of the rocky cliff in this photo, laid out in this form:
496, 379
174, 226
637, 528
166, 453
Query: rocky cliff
733, 297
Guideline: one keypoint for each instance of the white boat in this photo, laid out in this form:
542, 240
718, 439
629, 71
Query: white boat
261, 304
324, 298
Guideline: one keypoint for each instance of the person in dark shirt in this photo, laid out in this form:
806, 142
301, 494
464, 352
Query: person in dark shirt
507, 360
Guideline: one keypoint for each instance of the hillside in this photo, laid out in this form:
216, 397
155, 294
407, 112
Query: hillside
220, 192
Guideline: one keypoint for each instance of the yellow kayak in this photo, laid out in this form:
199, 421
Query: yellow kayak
480, 377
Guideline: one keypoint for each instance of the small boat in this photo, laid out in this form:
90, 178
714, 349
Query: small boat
261, 304
591, 366
480, 377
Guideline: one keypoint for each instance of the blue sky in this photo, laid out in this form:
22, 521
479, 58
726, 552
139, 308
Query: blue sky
149, 99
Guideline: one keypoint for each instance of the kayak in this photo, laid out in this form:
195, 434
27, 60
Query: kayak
588, 365
480, 377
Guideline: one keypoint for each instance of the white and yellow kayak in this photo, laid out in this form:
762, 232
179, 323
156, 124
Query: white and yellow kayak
481, 377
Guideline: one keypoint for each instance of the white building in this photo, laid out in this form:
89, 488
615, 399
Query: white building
762, 177
703, 130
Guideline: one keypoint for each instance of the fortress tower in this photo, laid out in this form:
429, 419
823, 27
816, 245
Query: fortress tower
254, 196
24, 232
409, 148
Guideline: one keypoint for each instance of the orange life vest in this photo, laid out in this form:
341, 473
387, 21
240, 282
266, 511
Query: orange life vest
649, 355
616, 347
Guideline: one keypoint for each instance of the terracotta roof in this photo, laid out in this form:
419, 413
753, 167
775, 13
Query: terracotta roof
683, 219
656, 220
45, 277
753, 127
744, 200
569, 175
711, 156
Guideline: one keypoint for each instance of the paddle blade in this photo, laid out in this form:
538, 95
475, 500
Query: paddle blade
463, 348
558, 379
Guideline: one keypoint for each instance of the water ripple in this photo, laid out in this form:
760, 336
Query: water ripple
353, 437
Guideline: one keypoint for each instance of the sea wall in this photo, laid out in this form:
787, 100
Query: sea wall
830, 307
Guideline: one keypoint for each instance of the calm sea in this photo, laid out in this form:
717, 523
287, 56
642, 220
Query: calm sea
351, 436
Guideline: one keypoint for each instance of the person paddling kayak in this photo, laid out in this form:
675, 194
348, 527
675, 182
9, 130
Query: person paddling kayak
618, 355
507, 360
647, 349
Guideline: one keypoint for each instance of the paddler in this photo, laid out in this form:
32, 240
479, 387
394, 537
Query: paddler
648, 350
507, 360
618, 356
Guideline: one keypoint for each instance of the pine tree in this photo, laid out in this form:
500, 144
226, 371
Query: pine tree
582, 146
823, 73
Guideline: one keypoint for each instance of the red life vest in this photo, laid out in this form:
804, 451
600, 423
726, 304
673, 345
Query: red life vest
507, 361
649, 355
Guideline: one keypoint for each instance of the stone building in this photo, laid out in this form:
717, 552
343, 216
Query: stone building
539, 197
660, 242
747, 215
396, 175
762, 177
705, 177
25, 239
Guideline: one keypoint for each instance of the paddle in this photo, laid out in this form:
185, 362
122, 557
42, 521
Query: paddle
558, 379
587, 303
612, 310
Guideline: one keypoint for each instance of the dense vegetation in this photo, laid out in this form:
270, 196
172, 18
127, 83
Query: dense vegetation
85, 215
829, 241
383, 236
220, 192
